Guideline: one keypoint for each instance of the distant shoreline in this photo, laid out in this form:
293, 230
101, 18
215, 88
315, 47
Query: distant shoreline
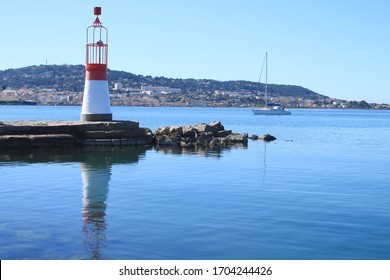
18, 102
34, 103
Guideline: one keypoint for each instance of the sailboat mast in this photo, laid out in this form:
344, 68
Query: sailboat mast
266, 79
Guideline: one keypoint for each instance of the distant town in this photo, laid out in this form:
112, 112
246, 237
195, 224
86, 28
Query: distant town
63, 85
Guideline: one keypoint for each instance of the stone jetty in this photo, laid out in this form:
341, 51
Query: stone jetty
73, 134
66, 134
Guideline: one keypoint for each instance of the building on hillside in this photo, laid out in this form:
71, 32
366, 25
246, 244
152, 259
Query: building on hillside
156, 91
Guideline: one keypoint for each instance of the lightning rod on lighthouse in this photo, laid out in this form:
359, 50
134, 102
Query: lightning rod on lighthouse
96, 100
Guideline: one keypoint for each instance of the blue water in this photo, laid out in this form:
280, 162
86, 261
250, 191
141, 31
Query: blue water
320, 191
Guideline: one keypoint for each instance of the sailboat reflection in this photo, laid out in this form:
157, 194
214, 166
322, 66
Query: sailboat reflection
264, 165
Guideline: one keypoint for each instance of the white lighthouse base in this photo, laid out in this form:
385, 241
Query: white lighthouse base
96, 101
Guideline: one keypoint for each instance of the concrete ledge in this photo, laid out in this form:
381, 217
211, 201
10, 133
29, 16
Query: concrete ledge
37, 127
37, 141
146, 140
112, 134
44, 134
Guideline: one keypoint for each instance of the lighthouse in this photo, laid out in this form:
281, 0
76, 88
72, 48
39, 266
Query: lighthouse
96, 100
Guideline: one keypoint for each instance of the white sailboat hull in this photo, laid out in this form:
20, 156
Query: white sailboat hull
271, 111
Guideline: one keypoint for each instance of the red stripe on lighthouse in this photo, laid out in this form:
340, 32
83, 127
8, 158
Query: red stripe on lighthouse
96, 72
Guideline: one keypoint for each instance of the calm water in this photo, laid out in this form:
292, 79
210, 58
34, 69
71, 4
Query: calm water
320, 191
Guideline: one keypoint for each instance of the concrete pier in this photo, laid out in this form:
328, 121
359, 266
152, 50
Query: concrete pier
65, 134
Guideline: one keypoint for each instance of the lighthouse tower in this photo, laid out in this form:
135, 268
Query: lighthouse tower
96, 100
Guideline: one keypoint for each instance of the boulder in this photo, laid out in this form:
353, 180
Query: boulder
148, 131
223, 133
162, 130
217, 125
236, 138
267, 137
190, 132
254, 137
215, 142
187, 143
204, 139
164, 140
178, 130
168, 142
203, 127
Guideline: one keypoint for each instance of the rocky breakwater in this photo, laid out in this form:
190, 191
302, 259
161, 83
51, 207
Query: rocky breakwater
200, 135
67, 134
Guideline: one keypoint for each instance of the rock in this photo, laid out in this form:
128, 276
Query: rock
187, 128
186, 143
164, 140
217, 125
203, 127
176, 130
215, 142
189, 132
254, 137
236, 138
223, 133
168, 142
162, 130
148, 131
204, 139
267, 137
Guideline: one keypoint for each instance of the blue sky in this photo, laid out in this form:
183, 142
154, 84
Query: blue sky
336, 48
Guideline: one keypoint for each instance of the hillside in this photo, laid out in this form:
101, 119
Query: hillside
71, 78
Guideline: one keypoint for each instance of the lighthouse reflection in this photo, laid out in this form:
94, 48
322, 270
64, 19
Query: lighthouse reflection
96, 165
96, 179
96, 170
92, 192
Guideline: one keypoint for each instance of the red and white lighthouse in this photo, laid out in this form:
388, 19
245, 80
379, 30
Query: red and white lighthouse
96, 100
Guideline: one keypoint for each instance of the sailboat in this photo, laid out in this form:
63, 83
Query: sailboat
275, 109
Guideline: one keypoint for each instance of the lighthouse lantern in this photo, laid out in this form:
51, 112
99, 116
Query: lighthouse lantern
97, 11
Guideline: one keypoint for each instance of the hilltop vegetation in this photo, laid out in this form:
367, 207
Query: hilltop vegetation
71, 78
64, 84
